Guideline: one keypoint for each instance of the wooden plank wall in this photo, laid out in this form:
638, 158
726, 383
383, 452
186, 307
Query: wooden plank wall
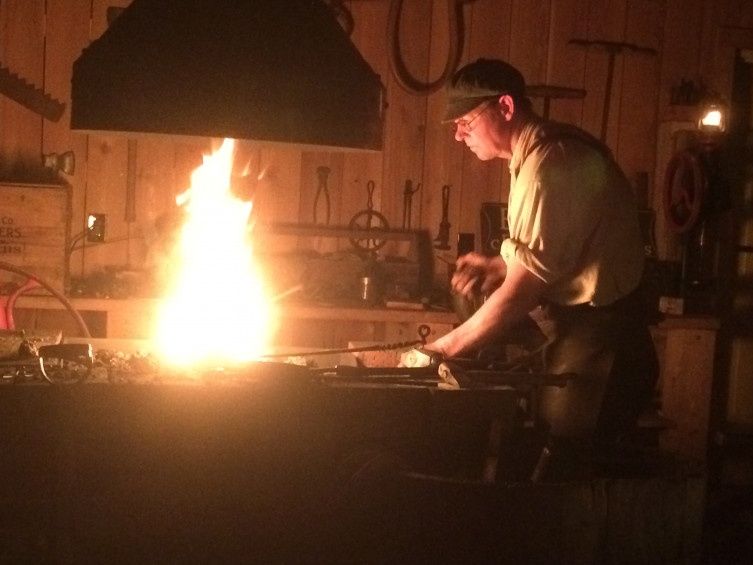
40, 40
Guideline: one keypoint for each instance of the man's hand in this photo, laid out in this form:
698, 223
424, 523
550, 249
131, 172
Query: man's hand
476, 273
519, 293
420, 357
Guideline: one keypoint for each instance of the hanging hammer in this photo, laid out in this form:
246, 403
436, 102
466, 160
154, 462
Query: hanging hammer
613, 48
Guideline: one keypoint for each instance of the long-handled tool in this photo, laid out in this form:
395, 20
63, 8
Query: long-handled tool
549, 92
613, 48
408, 193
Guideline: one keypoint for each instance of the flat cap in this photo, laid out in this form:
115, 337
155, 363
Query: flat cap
477, 82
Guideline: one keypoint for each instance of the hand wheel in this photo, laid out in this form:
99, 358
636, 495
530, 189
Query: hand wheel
368, 220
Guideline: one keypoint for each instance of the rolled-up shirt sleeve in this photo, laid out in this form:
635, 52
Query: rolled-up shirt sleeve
556, 210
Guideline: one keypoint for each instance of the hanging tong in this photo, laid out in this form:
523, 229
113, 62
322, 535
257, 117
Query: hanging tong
322, 191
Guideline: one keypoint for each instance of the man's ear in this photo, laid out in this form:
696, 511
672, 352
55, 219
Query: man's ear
506, 106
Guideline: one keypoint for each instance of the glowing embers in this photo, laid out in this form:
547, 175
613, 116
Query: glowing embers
217, 310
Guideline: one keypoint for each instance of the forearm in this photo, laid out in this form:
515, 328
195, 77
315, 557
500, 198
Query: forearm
511, 302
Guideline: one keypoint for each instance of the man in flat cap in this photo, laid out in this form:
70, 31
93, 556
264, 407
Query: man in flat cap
573, 261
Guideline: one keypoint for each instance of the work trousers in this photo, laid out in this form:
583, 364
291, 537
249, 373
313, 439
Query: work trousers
610, 352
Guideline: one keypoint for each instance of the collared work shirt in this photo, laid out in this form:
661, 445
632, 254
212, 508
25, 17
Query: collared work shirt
572, 216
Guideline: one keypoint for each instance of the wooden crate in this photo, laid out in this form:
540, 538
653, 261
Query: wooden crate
34, 232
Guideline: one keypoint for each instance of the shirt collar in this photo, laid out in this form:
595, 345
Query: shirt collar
529, 134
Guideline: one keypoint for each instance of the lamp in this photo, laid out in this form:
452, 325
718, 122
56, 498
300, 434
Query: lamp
694, 195
713, 115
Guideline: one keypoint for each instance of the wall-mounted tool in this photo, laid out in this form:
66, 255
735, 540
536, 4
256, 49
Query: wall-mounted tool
613, 48
549, 92
442, 241
322, 192
29, 96
408, 193
369, 219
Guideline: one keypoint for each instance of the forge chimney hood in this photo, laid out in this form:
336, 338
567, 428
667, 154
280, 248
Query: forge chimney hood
278, 71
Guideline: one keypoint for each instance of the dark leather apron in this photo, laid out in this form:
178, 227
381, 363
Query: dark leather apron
612, 354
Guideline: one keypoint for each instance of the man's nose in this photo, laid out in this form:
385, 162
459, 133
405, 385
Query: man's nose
459, 134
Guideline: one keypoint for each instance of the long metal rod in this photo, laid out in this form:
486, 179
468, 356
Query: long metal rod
379, 347
293, 290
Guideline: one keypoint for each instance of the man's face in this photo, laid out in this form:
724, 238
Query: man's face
486, 131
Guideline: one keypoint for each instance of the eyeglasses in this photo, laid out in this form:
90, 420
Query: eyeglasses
466, 124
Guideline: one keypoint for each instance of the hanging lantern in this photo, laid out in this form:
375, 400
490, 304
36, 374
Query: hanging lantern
713, 115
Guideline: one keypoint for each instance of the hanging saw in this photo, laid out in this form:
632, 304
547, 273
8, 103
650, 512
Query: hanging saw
29, 96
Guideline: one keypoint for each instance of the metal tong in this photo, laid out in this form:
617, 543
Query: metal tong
456, 376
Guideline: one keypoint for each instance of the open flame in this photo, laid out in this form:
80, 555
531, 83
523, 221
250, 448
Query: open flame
218, 310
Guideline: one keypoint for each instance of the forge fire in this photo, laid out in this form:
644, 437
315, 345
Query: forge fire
216, 307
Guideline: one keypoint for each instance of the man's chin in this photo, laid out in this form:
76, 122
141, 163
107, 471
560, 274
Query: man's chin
482, 156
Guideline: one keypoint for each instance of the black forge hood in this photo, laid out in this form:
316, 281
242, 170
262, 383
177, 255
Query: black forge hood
277, 71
